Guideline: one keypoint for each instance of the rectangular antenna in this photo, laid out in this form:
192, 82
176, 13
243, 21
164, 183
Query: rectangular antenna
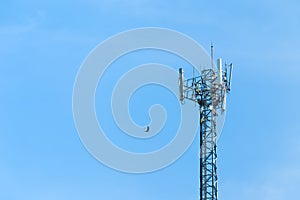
180, 84
230, 76
219, 64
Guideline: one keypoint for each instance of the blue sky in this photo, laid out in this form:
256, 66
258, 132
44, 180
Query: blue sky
43, 45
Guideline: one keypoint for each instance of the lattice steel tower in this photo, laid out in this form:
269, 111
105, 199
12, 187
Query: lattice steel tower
209, 91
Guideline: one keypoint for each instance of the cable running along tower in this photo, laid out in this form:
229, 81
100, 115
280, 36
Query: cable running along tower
209, 91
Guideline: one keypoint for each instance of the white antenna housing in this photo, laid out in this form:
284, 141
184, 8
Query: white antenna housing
230, 75
180, 84
220, 71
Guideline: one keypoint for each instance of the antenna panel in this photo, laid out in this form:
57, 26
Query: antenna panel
180, 84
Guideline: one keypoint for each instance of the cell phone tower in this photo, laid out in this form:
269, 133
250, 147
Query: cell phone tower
209, 90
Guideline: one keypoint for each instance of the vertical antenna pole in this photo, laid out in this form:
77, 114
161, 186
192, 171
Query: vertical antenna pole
212, 55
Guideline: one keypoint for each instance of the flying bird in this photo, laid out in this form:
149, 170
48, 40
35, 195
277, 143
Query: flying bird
147, 129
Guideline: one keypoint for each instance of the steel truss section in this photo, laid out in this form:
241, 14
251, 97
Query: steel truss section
209, 94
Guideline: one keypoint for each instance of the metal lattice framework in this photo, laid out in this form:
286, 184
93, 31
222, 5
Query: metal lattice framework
209, 91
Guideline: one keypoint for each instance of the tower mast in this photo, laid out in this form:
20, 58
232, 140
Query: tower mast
209, 91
